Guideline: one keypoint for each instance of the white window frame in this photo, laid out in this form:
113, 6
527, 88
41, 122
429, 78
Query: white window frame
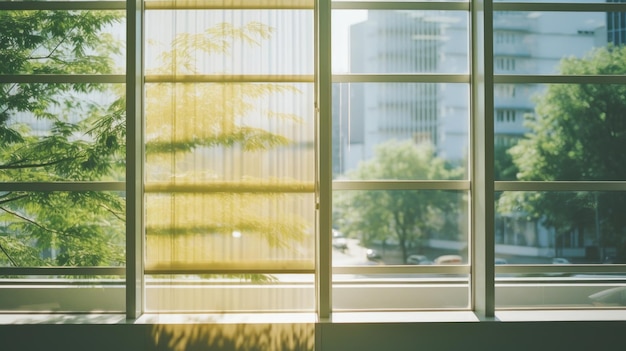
481, 183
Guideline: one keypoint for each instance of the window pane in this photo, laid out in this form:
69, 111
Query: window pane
62, 42
560, 230
230, 292
582, 227
560, 131
425, 228
259, 132
371, 292
59, 295
230, 160
62, 228
373, 120
229, 229
267, 42
404, 41
536, 42
396, 224
62, 132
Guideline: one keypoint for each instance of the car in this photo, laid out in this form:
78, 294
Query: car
499, 260
372, 255
339, 241
560, 260
449, 259
418, 259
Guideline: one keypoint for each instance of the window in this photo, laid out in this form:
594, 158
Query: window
505, 64
230, 161
62, 198
228, 156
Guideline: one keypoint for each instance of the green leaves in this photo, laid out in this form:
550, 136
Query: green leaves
404, 215
578, 133
58, 132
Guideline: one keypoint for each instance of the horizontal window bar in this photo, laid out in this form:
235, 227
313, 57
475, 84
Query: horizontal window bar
282, 267
62, 78
560, 79
231, 187
62, 186
229, 5
562, 268
561, 186
63, 5
393, 269
564, 6
400, 5
401, 78
242, 78
62, 271
401, 185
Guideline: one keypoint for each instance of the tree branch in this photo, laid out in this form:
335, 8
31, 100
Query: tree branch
4, 251
29, 220
17, 165
115, 214
12, 199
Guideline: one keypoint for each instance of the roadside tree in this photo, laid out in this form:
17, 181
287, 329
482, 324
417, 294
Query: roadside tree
577, 133
405, 216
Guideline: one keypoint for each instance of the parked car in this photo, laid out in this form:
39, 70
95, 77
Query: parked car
339, 242
372, 255
560, 260
449, 259
499, 260
418, 259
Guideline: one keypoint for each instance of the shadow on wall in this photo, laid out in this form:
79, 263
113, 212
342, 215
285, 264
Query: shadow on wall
234, 337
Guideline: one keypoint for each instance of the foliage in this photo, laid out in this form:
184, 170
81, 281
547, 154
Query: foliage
192, 129
577, 133
404, 215
60, 132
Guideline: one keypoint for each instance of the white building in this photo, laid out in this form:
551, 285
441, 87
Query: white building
400, 42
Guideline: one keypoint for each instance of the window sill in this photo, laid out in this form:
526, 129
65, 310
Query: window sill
305, 318
561, 315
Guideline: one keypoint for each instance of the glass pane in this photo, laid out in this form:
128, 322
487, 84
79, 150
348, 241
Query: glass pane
401, 41
537, 42
422, 124
384, 292
221, 228
230, 160
62, 42
559, 231
567, 293
58, 295
230, 292
561, 227
62, 229
230, 42
62, 132
400, 227
561, 131
261, 133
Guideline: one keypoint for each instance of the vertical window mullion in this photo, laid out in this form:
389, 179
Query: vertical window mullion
482, 129
324, 157
134, 160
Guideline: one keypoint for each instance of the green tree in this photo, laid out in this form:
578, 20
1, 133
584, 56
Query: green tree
578, 132
60, 132
403, 215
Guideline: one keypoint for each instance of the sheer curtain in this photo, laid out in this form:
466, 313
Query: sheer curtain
230, 158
